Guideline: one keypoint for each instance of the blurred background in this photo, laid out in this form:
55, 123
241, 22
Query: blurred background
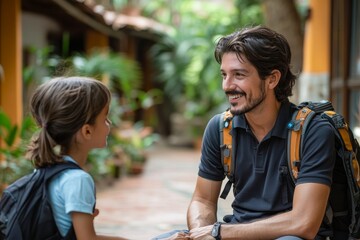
156, 56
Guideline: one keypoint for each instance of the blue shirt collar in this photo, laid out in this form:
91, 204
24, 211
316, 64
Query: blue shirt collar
69, 159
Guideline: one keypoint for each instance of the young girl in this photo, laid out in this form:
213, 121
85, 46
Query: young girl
73, 116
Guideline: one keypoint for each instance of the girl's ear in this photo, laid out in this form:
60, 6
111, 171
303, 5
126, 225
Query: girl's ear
86, 131
274, 78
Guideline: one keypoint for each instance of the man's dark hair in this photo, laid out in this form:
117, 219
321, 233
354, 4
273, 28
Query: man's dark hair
266, 50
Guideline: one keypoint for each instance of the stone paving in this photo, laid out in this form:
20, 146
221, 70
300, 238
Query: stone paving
143, 206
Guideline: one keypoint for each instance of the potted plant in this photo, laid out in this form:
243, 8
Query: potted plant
134, 139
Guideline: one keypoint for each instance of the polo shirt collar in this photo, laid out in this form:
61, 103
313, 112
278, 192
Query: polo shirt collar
280, 128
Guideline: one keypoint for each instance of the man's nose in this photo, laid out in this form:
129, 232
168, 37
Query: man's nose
227, 83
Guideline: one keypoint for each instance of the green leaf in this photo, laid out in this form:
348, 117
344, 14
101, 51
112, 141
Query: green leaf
10, 138
4, 121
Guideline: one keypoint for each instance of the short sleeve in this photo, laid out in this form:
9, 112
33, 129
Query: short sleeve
79, 192
210, 164
318, 154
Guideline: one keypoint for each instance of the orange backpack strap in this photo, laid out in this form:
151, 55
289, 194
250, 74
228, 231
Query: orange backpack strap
349, 142
225, 127
297, 128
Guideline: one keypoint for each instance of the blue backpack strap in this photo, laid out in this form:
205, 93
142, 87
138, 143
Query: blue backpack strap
57, 168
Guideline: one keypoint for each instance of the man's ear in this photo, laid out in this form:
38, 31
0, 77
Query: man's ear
274, 78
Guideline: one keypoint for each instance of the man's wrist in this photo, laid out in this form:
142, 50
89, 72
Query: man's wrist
216, 231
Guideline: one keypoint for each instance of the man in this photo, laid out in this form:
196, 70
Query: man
257, 80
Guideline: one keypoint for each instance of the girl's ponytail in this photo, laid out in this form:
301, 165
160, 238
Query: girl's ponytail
42, 151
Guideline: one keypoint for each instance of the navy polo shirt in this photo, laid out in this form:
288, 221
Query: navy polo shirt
262, 185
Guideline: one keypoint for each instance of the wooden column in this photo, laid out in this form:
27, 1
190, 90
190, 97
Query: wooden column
11, 59
314, 80
96, 40
317, 38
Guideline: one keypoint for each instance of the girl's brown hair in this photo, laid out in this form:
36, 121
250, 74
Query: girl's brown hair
61, 107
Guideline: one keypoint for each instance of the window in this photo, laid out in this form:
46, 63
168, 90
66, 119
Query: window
354, 69
355, 42
345, 59
355, 113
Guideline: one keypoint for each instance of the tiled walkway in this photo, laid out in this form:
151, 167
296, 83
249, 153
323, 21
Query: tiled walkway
141, 207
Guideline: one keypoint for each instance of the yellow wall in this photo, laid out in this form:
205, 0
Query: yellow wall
11, 59
317, 38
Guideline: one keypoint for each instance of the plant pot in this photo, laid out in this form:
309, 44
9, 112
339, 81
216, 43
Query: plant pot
197, 143
136, 168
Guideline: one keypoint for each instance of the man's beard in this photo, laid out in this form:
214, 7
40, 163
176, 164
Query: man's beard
253, 103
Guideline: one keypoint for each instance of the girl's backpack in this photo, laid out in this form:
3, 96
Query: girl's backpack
25, 212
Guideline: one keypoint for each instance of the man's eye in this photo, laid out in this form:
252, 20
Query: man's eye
238, 75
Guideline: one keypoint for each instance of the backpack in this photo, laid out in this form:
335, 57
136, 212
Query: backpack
25, 212
343, 211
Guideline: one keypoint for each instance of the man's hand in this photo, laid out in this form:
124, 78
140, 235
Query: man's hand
201, 233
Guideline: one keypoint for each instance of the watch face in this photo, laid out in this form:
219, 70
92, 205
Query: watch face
215, 230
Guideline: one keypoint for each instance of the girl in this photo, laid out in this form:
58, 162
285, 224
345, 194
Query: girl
73, 116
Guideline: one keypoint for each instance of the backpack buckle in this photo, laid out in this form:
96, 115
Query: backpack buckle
294, 125
339, 121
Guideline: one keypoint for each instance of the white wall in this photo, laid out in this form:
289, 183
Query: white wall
35, 29
313, 87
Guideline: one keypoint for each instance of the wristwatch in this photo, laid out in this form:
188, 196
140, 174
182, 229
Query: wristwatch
215, 232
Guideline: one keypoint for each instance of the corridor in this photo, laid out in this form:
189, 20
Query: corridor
143, 206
